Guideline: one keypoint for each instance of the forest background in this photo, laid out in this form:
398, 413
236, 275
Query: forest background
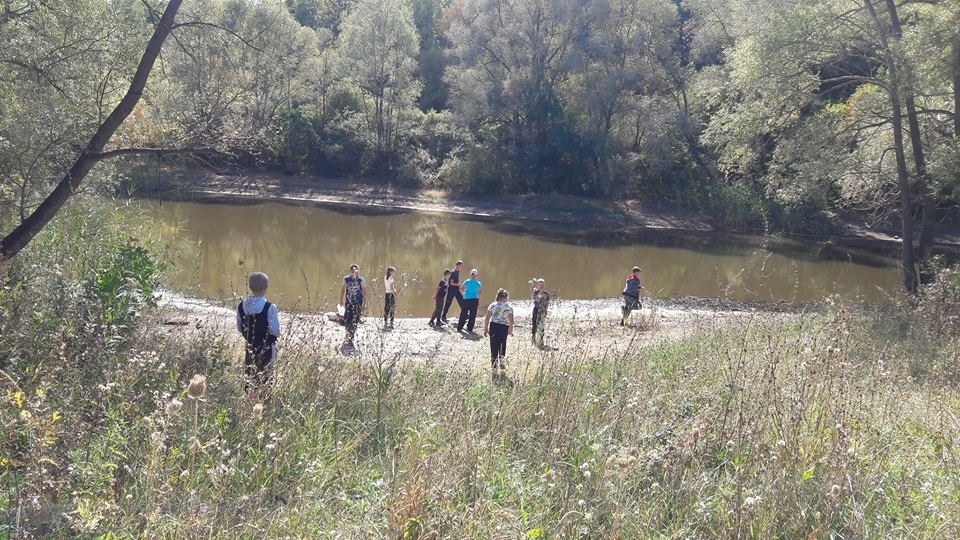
762, 115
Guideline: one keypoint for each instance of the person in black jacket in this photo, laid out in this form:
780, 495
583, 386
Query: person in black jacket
439, 296
453, 291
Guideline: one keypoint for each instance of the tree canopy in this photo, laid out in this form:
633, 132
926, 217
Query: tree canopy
764, 114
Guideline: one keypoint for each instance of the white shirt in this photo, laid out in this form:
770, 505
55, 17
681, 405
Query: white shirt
388, 285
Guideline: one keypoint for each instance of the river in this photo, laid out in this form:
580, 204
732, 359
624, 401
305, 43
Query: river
307, 250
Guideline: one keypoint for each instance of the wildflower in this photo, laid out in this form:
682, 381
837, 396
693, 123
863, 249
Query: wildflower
258, 410
173, 407
834, 494
751, 501
25, 415
198, 387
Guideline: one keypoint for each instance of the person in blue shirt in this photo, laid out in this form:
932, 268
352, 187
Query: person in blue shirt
353, 297
471, 302
259, 323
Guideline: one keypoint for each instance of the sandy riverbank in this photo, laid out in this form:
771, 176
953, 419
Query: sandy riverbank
572, 325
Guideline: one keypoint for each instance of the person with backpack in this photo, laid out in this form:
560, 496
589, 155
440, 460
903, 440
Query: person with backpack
631, 295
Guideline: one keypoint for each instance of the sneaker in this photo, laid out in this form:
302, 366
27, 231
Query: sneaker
430, 323
503, 364
445, 320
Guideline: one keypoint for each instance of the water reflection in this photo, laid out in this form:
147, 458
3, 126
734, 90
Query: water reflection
307, 250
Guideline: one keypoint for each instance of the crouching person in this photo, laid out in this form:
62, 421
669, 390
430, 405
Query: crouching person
259, 323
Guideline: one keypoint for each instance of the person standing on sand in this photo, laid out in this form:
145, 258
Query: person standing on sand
259, 323
498, 324
541, 299
439, 296
390, 297
471, 289
453, 291
353, 296
631, 294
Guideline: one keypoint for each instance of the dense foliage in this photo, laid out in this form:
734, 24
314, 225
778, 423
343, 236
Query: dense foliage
760, 113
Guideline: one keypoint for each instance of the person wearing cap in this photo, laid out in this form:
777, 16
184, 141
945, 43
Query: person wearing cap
453, 291
471, 302
541, 299
631, 294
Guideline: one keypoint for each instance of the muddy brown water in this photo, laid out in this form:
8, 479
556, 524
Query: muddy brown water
306, 251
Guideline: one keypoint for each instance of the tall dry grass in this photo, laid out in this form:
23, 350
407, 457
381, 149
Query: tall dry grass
838, 422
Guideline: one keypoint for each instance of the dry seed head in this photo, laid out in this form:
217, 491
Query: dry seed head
834, 493
258, 410
173, 407
198, 387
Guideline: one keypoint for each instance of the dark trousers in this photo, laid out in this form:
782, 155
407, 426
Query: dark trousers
351, 318
389, 307
539, 314
438, 308
258, 366
468, 313
498, 342
630, 303
453, 292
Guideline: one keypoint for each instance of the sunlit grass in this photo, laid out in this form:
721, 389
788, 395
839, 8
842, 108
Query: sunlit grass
838, 422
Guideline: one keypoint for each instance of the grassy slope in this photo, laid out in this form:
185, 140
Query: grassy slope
838, 422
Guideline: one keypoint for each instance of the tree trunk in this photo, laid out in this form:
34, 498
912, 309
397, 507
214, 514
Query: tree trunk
38, 219
927, 197
956, 89
907, 254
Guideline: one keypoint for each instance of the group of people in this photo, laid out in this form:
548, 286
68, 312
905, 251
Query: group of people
259, 323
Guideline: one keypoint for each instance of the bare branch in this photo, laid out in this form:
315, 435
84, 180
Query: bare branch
218, 27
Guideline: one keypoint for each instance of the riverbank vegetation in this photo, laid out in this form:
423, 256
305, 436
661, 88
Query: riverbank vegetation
761, 115
833, 422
